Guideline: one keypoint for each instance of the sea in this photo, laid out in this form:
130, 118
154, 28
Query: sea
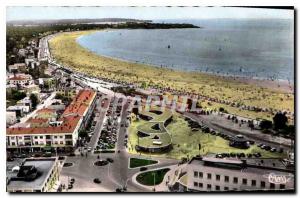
254, 48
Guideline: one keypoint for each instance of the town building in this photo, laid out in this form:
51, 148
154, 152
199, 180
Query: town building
19, 110
34, 175
215, 174
25, 102
60, 134
11, 118
21, 80
17, 67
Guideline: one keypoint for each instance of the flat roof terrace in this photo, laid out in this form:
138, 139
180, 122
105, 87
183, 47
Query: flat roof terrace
43, 166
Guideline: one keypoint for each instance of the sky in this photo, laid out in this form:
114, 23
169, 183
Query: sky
151, 13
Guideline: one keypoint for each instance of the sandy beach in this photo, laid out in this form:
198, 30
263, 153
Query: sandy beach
246, 91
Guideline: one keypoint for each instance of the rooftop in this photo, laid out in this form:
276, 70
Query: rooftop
68, 126
45, 110
248, 165
21, 77
70, 118
80, 103
43, 167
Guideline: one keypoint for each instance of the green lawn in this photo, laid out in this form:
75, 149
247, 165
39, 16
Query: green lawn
152, 177
185, 142
136, 162
146, 127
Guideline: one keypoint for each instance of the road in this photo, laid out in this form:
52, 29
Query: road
45, 104
211, 124
100, 120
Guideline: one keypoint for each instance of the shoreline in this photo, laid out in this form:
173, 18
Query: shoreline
246, 91
282, 85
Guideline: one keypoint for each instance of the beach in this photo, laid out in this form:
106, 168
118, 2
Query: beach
245, 91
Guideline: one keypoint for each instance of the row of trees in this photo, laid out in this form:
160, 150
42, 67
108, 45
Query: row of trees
279, 124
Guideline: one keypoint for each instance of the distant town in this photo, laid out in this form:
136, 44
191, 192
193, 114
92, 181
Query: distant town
70, 131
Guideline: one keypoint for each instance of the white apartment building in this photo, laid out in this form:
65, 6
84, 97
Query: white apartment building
215, 174
63, 134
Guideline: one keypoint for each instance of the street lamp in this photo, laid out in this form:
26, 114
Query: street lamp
154, 181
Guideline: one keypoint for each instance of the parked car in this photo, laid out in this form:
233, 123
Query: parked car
72, 180
70, 186
110, 160
143, 168
97, 181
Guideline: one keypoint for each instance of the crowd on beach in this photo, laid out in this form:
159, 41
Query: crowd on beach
195, 96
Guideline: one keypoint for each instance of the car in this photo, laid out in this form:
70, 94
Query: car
70, 186
273, 150
97, 181
110, 160
10, 159
72, 155
219, 156
72, 180
143, 168
263, 146
260, 144
267, 148
251, 142
280, 150
257, 154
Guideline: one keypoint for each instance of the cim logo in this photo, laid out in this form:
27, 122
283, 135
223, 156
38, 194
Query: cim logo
278, 179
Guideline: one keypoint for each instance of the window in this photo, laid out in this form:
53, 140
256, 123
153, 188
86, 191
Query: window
218, 177
55, 136
235, 180
272, 186
196, 184
226, 188
20, 137
245, 181
36, 143
12, 138
262, 184
200, 174
61, 137
208, 175
282, 186
226, 178
41, 137
208, 186
253, 182
13, 144
200, 185
195, 174
61, 142
217, 187
35, 137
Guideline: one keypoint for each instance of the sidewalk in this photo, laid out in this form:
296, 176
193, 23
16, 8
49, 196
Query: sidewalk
163, 186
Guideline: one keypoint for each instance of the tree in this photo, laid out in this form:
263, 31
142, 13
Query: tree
34, 100
221, 109
280, 120
266, 124
82, 134
290, 130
